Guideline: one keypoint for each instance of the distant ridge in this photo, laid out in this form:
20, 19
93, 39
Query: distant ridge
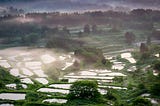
79, 5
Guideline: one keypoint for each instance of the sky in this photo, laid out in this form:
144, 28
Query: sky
78, 5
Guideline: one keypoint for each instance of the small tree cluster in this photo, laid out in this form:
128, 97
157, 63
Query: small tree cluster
90, 55
84, 90
31, 38
88, 29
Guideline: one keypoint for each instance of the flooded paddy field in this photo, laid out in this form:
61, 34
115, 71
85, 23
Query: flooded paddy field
31, 64
25, 62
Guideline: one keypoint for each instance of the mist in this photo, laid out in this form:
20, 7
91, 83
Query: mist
79, 5
79, 52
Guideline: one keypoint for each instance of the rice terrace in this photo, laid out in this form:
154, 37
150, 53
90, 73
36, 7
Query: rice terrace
79, 53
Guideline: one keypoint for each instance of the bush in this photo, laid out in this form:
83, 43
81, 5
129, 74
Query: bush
30, 38
156, 65
139, 101
90, 55
6, 77
118, 79
31, 96
64, 43
141, 86
110, 96
155, 88
84, 90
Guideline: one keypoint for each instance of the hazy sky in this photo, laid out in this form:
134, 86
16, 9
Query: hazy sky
73, 5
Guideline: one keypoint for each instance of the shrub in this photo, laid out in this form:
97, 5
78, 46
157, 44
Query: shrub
141, 86
90, 55
31, 96
6, 77
110, 96
155, 88
118, 79
84, 90
156, 65
139, 101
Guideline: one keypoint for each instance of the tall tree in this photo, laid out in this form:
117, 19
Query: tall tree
130, 37
143, 48
94, 28
87, 29
148, 42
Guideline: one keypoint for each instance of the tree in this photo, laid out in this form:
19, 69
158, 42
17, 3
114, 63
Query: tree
84, 90
148, 42
87, 29
32, 96
65, 32
155, 49
76, 64
80, 34
115, 28
143, 48
94, 28
156, 34
90, 55
30, 38
110, 95
130, 37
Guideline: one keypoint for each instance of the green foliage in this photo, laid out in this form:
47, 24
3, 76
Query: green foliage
36, 104
108, 63
155, 88
155, 49
145, 58
6, 78
84, 90
104, 63
64, 43
86, 29
139, 101
145, 55
141, 86
32, 96
90, 55
12, 30
110, 95
30, 38
156, 65
114, 29
79, 102
34, 86
130, 37
118, 79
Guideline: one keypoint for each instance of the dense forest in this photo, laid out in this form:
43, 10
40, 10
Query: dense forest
44, 24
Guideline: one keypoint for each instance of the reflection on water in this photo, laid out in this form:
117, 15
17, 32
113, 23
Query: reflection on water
12, 96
